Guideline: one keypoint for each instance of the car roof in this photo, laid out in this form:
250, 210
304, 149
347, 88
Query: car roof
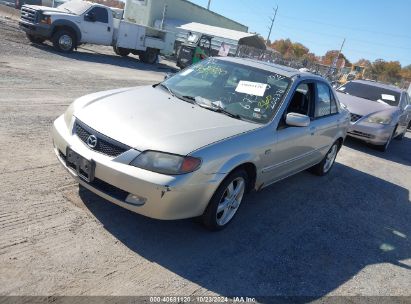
271, 67
379, 85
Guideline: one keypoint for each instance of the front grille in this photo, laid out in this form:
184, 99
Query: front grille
362, 134
355, 117
28, 14
105, 145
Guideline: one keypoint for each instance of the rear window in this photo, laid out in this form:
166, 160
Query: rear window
371, 92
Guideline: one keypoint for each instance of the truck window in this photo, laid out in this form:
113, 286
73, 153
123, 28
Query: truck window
100, 14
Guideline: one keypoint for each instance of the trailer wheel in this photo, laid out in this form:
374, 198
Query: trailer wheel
121, 51
149, 56
34, 39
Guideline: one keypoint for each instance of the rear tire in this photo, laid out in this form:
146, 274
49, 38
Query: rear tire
149, 56
35, 39
121, 51
324, 167
64, 41
226, 201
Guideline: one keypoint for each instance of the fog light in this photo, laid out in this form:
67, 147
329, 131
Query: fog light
135, 200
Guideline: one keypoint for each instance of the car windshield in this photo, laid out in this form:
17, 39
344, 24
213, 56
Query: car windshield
371, 92
75, 7
237, 90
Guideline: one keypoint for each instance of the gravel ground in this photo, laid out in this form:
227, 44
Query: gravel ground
344, 234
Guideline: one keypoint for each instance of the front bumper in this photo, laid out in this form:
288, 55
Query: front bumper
372, 133
166, 197
38, 30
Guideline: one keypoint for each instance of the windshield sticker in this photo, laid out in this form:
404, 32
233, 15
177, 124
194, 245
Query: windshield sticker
186, 72
388, 97
252, 88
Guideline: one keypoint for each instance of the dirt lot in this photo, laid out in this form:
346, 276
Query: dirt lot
348, 233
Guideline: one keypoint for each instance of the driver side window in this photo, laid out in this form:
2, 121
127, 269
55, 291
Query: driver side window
302, 99
99, 14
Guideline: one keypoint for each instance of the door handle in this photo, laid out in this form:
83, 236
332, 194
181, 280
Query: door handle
108, 29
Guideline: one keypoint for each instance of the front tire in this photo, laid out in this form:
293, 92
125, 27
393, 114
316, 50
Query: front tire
64, 41
34, 39
324, 167
226, 201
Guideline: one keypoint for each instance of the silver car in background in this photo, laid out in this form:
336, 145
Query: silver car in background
196, 143
379, 112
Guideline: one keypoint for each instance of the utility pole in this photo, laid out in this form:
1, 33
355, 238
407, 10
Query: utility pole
335, 62
272, 23
164, 16
208, 5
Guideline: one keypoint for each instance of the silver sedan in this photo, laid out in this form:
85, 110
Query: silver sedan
379, 112
195, 144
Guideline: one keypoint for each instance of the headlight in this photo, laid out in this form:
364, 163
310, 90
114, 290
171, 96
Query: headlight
383, 120
166, 163
45, 19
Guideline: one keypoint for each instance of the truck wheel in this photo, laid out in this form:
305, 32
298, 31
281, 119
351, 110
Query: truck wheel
63, 41
121, 51
34, 39
149, 56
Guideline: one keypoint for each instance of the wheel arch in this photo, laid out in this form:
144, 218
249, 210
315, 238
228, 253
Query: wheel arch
245, 162
66, 25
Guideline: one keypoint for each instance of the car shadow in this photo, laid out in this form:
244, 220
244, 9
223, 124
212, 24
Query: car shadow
303, 236
91, 55
398, 151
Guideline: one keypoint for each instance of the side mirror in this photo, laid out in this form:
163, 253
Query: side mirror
297, 120
168, 75
407, 108
90, 17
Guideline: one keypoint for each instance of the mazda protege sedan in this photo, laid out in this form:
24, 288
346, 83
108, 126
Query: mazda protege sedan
195, 144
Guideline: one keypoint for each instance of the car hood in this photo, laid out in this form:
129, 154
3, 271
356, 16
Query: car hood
148, 118
363, 107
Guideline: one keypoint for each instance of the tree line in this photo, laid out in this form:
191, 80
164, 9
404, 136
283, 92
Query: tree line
379, 70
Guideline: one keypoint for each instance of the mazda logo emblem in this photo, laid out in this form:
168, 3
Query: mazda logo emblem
92, 141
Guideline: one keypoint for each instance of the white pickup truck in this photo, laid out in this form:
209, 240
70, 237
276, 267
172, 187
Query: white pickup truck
79, 22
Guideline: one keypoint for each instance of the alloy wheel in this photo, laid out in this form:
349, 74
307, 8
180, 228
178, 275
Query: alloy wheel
230, 201
330, 158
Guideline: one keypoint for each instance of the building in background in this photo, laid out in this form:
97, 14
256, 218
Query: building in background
175, 13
